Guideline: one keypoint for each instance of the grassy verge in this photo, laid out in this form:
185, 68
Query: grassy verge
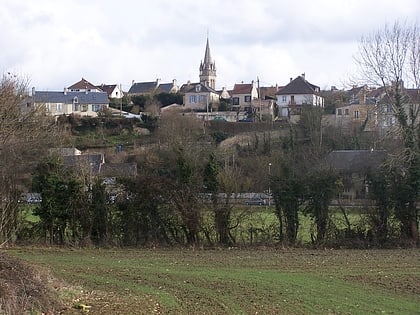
260, 281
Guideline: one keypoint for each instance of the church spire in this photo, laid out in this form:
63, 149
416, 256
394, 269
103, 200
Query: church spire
208, 69
207, 56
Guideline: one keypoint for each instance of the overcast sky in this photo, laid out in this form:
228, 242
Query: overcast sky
56, 43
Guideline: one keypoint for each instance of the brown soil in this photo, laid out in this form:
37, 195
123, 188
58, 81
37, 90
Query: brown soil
26, 289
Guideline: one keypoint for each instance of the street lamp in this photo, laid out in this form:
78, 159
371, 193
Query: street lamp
269, 184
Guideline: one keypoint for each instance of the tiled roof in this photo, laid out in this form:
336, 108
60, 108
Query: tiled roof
242, 88
356, 160
82, 85
68, 97
268, 92
165, 87
93, 161
191, 88
142, 87
413, 95
108, 88
299, 86
187, 86
409, 96
119, 169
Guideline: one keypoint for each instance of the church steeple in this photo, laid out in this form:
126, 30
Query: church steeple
208, 69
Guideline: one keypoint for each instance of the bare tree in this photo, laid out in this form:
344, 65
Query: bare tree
23, 128
390, 58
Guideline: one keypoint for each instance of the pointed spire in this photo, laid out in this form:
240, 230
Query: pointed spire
208, 69
207, 56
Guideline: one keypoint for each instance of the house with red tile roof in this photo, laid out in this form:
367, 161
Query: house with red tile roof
243, 95
83, 86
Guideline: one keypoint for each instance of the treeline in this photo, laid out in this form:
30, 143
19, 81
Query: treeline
164, 204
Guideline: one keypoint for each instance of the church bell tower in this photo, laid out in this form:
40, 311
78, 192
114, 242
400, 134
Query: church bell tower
208, 69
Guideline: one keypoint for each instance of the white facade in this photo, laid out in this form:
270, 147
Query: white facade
116, 92
300, 99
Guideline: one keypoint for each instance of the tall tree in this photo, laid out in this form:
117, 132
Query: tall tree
380, 190
100, 230
288, 193
24, 134
55, 185
184, 192
390, 58
322, 187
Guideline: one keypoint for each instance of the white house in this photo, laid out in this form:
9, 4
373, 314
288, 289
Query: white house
113, 90
296, 94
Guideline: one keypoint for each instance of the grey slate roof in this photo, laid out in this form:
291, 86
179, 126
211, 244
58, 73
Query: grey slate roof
356, 161
93, 161
191, 88
68, 97
165, 87
299, 86
142, 87
119, 169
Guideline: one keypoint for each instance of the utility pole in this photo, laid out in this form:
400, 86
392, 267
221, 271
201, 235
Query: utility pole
121, 95
269, 184
259, 94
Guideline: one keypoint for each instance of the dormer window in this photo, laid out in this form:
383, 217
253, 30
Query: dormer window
75, 100
198, 88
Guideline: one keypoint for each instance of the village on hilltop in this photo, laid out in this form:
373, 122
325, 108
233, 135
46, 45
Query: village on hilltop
246, 102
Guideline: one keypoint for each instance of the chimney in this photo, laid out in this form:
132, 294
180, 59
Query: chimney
303, 76
291, 79
65, 91
33, 91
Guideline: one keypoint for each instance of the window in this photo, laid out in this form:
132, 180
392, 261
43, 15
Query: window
202, 98
235, 100
198, 88
388, 108
356, 114
247, 98
193, 99
284, 98
59, 107
84, 108
96, 108
346, 112
339, 112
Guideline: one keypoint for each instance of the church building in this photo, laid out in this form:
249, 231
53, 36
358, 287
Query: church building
208, 69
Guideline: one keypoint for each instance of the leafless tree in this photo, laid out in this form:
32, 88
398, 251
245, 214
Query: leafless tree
23, 129
390, 59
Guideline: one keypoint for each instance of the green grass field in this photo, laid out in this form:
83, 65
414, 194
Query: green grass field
236, 281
